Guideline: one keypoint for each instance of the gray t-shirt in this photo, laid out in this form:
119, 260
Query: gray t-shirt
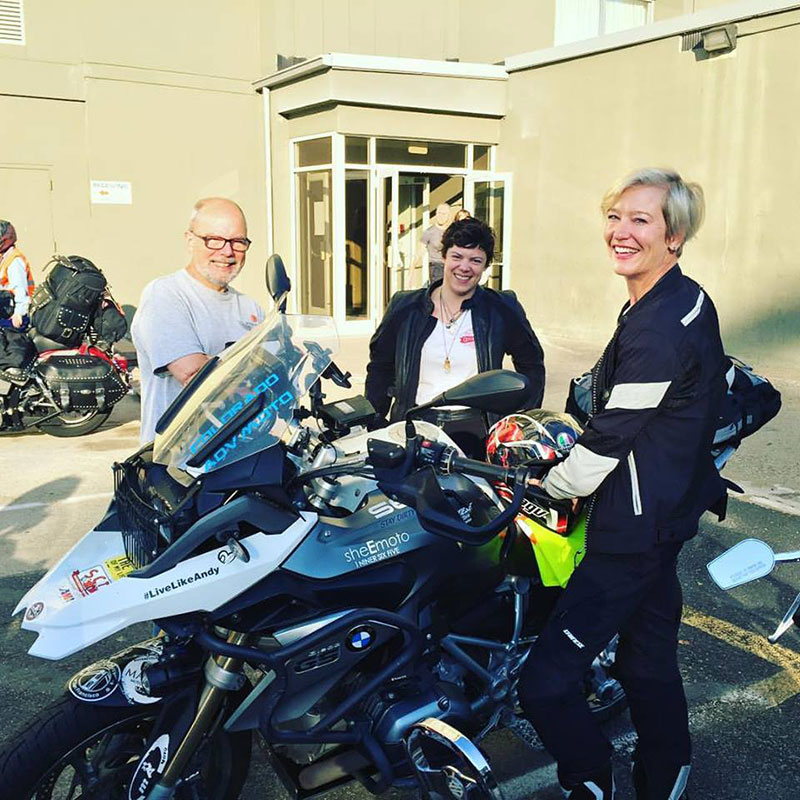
432, 239
178, 316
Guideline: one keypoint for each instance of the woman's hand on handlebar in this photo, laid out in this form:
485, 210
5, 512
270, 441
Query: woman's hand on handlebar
538, 484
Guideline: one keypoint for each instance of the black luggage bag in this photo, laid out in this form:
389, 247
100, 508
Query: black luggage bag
82, 382
65, 302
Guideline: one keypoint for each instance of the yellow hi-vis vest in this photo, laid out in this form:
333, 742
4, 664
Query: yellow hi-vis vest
8, 258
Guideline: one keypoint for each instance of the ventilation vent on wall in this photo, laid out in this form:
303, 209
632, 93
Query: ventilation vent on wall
12, 23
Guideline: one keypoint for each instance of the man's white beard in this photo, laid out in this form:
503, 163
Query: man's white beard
208, 272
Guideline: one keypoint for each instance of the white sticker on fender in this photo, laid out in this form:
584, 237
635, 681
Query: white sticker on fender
150, 768
132, 683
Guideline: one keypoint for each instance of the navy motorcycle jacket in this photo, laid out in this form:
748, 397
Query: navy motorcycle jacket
645, 455
500, 327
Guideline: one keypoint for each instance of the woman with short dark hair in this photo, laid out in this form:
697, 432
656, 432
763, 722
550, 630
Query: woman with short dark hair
432, 339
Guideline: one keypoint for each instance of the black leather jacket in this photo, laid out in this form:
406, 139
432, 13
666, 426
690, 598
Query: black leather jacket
500, 328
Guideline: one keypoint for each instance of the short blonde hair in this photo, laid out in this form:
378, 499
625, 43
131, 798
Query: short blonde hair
683, 206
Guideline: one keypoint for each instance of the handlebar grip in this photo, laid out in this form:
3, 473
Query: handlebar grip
479, 468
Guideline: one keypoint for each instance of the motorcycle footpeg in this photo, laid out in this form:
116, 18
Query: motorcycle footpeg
448, 765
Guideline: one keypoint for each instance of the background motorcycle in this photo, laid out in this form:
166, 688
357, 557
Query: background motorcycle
62, 390
344, 595
750, 560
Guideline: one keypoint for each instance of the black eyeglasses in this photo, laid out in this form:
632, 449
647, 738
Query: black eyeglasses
218, 242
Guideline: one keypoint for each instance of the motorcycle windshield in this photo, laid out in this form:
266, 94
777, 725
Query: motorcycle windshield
245, 402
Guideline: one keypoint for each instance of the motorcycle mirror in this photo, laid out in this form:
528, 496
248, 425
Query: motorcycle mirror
278, 283
500, 391
746, 561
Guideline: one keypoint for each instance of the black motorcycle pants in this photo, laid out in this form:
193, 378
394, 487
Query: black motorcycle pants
638, 596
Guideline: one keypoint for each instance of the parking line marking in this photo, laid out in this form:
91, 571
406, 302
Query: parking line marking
775, 689
40, 503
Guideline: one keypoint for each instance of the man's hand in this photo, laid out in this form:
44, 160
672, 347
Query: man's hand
17, 321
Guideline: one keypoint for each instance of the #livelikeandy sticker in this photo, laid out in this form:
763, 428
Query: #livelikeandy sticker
118, 567
96, 682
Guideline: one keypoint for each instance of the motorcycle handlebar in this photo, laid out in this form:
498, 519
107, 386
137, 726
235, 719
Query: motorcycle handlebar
451, 462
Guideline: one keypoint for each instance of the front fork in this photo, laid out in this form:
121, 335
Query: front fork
223, 675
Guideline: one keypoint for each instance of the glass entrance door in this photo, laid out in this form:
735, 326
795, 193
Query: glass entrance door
489, 197
406, 204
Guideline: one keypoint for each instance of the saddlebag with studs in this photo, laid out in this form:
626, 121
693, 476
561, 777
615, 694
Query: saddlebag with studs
82, 382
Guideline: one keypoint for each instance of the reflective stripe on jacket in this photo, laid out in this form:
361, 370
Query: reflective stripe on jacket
646, 451
10, 256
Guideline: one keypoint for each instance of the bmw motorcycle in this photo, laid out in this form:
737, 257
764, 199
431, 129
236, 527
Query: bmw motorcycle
63, 391
362, 602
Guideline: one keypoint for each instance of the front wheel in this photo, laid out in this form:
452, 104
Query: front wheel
75, 423
75, 750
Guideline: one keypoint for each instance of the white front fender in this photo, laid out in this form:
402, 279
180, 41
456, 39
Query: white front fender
88, 595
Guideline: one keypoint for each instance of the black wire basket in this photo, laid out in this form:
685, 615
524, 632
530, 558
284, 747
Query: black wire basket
146, 528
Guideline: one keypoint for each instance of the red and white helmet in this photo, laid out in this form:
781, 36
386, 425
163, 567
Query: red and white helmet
531, 435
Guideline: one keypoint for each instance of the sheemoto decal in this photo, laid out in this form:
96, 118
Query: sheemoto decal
150, 768
96, 682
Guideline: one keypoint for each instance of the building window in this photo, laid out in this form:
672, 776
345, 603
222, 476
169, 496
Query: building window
412, 152
356, 195
315, 241
12, 22
313, 152
356, 149
585, 19
481, 156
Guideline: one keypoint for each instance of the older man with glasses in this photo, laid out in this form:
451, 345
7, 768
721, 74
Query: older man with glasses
189, 316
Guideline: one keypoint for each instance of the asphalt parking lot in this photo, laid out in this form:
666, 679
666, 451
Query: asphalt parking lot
743, 692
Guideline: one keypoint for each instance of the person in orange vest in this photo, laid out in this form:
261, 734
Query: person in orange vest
15, 277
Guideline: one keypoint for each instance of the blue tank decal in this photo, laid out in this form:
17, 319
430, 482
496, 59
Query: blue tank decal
383, 529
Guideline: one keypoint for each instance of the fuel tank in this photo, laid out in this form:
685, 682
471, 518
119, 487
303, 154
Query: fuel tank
383, 530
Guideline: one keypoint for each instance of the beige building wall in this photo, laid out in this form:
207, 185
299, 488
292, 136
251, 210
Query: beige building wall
307, 28
729, 122
157, 94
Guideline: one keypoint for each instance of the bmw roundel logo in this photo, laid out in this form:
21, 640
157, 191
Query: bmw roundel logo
360, 638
